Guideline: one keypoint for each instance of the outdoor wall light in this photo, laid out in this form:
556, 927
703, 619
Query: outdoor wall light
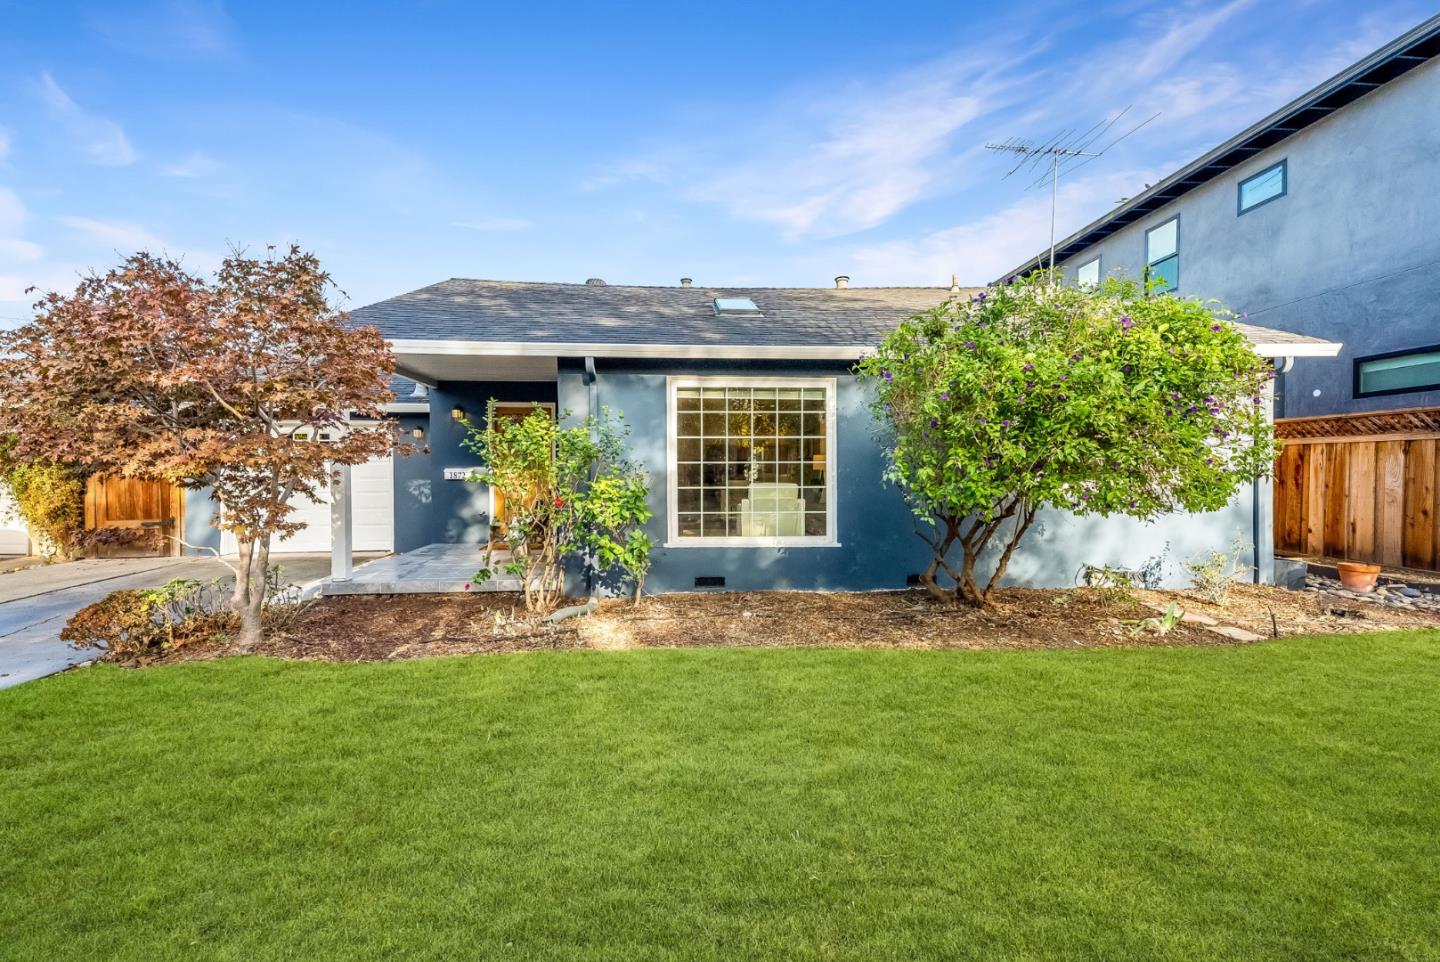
457, 413
417, 432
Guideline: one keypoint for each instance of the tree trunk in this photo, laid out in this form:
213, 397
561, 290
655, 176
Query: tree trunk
249, 596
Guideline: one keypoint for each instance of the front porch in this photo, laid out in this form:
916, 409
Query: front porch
433, 569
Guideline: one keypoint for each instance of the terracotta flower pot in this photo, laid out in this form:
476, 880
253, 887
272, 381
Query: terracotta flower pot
1357, 576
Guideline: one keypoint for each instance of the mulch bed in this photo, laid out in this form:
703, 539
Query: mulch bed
377, 628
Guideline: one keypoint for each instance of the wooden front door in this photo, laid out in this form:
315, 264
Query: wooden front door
144, 516
499, 511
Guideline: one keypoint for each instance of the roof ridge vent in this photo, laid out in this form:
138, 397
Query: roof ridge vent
594, 282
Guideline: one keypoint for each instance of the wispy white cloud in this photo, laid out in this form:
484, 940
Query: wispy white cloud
123, 236
986, 248
102, 140
493, 224
14, 247
167, 27
194, 164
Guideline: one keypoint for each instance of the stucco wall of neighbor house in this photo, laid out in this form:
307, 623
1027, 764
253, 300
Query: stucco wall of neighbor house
878, 545
1350, 254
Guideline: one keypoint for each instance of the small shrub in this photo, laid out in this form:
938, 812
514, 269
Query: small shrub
143, 622
146, 622
1109, 587
1213, 573
1160, 625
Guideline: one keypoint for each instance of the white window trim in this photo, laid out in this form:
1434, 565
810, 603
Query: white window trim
672, 486
1098, 275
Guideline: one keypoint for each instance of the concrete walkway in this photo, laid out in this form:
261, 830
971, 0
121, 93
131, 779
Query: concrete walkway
433, 569
36, 602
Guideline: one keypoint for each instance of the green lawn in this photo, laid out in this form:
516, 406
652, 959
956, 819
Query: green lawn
1280, 801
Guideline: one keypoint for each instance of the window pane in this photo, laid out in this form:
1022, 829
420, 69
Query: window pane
756, 465
1162, 241
1264, 186
1089, 274
1408, 372
1167, 272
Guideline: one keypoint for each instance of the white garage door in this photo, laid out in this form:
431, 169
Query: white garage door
373, 520
13, 537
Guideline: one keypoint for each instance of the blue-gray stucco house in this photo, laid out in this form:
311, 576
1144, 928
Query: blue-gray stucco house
765, 465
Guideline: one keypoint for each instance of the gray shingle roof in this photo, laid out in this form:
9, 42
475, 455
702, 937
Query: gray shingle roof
519, 312
515, 311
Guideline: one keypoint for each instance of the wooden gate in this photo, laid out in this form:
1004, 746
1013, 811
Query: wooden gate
1361, 487
144, 515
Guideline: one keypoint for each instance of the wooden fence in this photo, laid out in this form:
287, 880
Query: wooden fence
1361, 487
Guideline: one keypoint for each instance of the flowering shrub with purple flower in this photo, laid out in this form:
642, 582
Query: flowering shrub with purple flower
1093, 400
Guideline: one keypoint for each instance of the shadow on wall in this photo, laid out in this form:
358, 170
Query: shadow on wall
1060, 544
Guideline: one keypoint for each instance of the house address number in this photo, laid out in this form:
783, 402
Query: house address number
459, 474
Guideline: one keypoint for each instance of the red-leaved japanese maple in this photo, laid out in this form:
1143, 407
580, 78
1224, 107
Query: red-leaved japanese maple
149, 370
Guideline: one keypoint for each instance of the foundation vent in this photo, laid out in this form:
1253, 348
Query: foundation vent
709, 581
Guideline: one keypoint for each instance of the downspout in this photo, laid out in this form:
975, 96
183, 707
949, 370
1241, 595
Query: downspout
1262, 494
593, 403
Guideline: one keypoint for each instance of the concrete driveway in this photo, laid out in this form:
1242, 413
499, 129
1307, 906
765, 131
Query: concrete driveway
36, 602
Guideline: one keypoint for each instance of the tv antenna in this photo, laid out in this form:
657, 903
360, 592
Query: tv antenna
1066, 151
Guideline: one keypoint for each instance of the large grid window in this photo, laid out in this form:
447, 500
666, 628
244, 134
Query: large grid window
751, 461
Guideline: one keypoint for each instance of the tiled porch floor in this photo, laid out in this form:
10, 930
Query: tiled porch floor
433, 569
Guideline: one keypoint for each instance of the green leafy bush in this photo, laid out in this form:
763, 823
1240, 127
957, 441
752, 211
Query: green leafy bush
50, 498
569, 491
1097, 401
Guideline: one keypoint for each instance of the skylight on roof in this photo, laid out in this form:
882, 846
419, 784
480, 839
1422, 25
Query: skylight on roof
729, 306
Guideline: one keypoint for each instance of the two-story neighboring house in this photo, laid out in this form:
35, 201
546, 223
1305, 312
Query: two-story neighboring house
1322, 219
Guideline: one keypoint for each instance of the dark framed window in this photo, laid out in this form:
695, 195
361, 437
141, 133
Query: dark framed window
1162, 255
1398, 372
1257, 190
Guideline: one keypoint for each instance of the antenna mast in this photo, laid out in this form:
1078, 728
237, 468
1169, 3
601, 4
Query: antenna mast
1064, 152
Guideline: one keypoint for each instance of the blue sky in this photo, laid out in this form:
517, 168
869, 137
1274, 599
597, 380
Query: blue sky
761, 144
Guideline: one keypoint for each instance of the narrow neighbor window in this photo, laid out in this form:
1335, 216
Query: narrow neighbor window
1270, 184
1088, 274
1162, 255
1398, 373
750, 461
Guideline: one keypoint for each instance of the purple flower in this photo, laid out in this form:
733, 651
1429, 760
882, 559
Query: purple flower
1128, 368
1191, 409
1216, 328
981, 421
887, 375
970, 345
1028, 367
1256, 400
1064, 397
1029, 385
1210, 462
1126, 323
944, 395
934, 423
1005, 423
